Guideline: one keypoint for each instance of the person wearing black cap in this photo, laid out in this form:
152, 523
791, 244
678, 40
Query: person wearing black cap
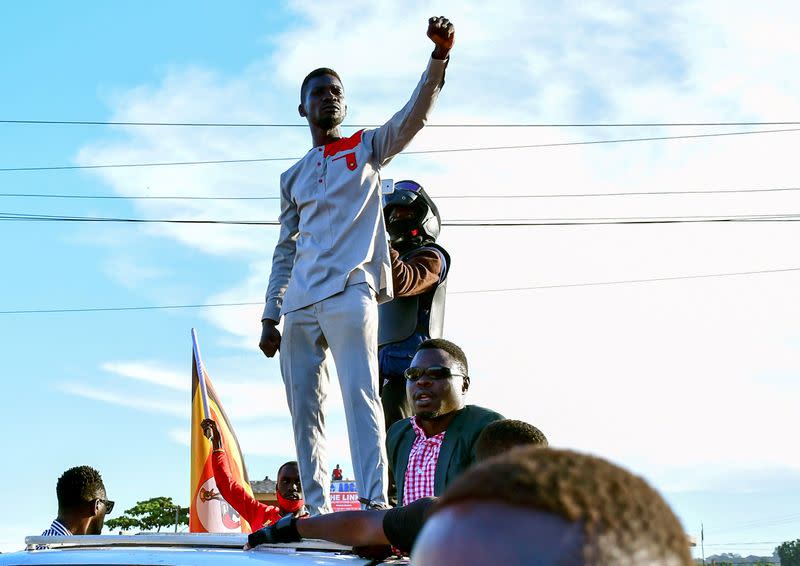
419, 276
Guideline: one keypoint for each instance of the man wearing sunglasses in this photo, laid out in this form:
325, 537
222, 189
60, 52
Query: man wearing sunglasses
398, 527
430, 449
419, 276
331, 268
82, 503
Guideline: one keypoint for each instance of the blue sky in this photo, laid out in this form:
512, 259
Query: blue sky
690, 383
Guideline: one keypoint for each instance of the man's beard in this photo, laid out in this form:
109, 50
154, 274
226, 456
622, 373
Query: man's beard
330, 121
430, 415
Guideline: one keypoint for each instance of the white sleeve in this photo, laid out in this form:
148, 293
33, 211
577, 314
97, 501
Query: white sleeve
283, 256
393, 137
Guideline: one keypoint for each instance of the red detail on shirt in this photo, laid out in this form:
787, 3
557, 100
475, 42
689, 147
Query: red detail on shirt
343, 144
350, 159
421, 464
253, 511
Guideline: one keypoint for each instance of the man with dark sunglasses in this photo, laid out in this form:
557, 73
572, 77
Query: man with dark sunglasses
428, 450
82, 503
398, 527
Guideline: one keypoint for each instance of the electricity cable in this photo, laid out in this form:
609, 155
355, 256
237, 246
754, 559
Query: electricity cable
514, 289
419, 152
494, 223
458, 125
436, 197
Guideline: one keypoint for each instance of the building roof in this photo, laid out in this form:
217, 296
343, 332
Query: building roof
264, 486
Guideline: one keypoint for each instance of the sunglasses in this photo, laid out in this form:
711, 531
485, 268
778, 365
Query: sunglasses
109, 505
434, 373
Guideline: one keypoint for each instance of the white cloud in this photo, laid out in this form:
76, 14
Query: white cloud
658, 376
131, 272
147, 404
149, 372
182, 436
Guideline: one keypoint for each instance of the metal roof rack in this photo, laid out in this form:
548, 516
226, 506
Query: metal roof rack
174, 540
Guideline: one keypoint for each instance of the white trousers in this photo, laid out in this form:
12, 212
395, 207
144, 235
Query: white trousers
347, 326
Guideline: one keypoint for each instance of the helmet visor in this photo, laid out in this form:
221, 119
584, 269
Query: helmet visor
405, 194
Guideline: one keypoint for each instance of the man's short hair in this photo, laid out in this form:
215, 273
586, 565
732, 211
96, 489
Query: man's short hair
501, 436
625, 521
316, 73
78, 485
441, 344
289, 463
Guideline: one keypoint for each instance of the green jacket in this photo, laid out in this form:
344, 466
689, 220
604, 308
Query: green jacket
457, 452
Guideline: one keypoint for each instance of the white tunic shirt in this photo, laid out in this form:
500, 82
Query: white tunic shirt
332, 229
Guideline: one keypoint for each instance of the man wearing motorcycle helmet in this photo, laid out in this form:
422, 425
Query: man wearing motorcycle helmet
419, 275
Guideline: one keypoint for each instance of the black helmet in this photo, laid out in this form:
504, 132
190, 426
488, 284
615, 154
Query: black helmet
423, 228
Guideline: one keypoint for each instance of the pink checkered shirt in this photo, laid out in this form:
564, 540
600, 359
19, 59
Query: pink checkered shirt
421, 468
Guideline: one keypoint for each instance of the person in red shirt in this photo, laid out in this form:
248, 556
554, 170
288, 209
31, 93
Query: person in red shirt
288, 489
337, 473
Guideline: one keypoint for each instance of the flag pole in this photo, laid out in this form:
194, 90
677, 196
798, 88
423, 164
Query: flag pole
201, 375
702, 543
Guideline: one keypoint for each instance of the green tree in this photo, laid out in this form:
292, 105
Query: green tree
789, 553
150, 515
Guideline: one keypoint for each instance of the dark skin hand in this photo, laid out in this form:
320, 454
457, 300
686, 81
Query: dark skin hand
211, 432
443, 34
270, 341
351, 528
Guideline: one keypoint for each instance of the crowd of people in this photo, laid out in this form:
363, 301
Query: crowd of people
357, 274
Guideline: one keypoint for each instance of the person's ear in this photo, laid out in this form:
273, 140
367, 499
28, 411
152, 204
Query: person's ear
466, 384
301, 111
344, 111
96, 507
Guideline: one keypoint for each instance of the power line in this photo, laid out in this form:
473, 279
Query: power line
12, 217
627, 281
421, 152
159, 164
115, 309
131, 197
743, 543
493, 223
477, 291
774, 521
499, 223
780, 519
460, 125
620, 193
437, 197
599, 142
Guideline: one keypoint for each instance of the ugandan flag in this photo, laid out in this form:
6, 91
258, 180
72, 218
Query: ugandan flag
209, 512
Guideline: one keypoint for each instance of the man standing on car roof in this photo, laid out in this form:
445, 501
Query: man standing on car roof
330, 269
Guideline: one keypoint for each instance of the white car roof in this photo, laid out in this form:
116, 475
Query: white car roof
177, 550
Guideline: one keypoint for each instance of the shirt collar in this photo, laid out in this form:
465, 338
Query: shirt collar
421, 433
59, 526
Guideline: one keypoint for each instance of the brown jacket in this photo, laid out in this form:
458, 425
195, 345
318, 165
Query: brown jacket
417, 274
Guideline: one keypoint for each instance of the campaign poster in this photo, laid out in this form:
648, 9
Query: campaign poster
344, 496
